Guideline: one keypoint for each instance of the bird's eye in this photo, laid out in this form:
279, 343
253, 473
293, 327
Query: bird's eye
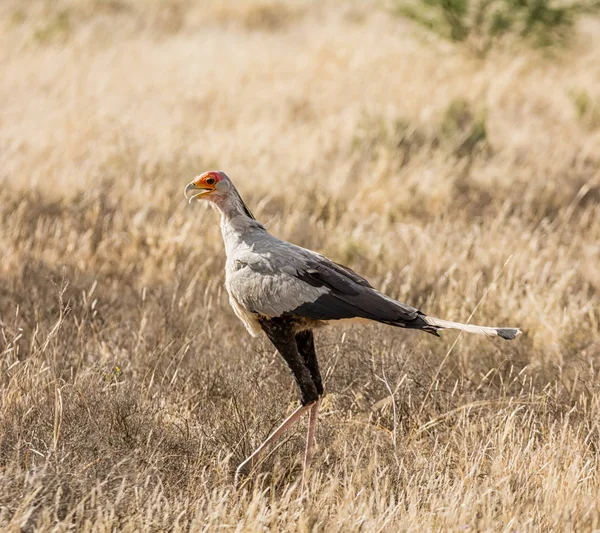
210, 181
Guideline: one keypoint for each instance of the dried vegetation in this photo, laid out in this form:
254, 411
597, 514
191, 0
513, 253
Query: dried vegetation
128, 389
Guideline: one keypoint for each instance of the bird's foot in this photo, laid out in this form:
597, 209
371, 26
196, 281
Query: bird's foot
242, 471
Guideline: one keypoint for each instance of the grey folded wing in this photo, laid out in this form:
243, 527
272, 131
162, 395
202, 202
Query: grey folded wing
348, 295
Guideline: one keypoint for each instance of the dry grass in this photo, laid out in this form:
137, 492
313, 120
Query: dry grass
129, 391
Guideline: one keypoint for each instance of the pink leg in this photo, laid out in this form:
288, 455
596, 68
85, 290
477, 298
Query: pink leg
310, 437
312, 429
273, 437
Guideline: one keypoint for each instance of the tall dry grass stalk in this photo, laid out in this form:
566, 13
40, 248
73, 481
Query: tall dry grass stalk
128, 389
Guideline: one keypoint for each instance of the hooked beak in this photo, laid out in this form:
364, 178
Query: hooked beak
195, 190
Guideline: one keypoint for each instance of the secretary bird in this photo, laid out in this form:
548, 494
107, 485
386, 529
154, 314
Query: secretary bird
286, 291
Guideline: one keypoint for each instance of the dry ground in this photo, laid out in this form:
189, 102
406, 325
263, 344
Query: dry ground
129, 391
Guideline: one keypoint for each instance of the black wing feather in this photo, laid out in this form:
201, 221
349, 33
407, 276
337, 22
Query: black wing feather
351, 296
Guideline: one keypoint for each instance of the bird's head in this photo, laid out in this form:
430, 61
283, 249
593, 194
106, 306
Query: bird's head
212, 185
216, 186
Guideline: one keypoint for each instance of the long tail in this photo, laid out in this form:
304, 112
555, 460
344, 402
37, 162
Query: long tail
436, 324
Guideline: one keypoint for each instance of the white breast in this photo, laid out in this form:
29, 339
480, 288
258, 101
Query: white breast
248, 319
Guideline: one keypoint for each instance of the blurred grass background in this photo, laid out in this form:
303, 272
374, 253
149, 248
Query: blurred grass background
433, 147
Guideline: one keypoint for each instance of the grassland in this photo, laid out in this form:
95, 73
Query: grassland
128, 389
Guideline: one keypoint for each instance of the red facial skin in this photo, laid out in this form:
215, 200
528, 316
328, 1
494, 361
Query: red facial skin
206, 180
